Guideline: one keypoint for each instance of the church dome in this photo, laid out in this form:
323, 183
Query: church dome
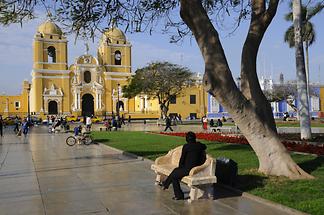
115, 34
49, 27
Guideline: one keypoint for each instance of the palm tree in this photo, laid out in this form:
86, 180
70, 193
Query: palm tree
308, 30
302, 32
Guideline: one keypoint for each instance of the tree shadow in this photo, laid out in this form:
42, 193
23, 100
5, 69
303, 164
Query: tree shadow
248, 182
231, 147
311, 165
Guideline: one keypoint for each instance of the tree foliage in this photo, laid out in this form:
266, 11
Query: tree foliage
161, 80
308, 31
86, 17
285, 91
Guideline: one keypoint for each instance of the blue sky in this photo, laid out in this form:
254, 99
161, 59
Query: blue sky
274, 57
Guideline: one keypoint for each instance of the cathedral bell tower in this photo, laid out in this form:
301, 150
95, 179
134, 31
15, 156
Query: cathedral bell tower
50, 75
114, 53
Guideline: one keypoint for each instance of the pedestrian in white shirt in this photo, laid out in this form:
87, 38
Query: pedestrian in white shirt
88, 123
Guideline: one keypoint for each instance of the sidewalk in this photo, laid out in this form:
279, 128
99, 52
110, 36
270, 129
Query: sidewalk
42, 175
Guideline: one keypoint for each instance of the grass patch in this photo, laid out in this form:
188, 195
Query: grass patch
303, 195
296, 124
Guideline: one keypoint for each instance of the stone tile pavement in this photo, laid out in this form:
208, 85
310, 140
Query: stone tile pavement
40, 174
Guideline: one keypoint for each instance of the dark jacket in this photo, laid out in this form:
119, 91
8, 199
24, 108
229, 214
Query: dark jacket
168, 121
193, 154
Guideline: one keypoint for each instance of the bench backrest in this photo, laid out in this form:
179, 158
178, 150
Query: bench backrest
176, 154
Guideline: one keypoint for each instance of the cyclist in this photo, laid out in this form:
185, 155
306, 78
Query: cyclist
78, 133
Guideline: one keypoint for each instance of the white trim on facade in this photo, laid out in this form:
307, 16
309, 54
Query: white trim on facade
117, 66
86, 65
118, 74
51, 41
52, 77
49, 71
118, 45
116, 79
50, 63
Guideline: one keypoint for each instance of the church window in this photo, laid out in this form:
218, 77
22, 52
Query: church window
51, 54
117, 58
117, 42
51, 37
192, 99
17, 104
87, 77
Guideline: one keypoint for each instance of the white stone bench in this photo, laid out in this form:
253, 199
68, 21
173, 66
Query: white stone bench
225, 129
104, 128
200, 179
291, 119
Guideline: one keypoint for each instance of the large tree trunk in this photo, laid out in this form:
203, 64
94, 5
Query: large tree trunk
273, 157
260, 20
305, 128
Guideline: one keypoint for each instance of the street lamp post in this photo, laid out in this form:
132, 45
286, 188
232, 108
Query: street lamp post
117, 106
28, 102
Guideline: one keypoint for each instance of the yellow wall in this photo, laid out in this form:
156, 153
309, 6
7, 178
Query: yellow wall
183, 105
8, 103
322, 99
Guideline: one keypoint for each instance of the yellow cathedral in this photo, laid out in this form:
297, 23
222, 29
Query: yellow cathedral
92, 85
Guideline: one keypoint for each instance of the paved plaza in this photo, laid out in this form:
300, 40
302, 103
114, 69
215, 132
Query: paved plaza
40, 174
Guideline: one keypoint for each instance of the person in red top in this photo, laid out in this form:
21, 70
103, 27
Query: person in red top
205, 122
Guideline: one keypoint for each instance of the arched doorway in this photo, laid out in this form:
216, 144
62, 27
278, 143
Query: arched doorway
120, 106
52, 107
87, 105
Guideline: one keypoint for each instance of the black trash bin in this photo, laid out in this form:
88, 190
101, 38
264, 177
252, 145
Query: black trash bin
226, 171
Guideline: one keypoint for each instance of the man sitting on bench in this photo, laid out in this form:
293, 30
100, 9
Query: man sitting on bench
193, 154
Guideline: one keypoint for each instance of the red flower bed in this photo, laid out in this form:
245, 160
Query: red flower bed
223, 138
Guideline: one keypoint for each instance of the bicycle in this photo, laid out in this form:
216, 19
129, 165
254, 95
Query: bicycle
85, 139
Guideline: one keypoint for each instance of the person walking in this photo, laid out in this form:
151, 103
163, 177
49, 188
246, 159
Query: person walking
25, 127
180, 118
193, 154
1, 126
129, 119
17, 122
122, 119
168, 123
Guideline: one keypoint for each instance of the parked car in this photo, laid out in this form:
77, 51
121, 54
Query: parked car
71, 118
9, 120
94, 119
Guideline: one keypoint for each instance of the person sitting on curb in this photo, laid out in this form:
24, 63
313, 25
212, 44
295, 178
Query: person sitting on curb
193, 154
219, 123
